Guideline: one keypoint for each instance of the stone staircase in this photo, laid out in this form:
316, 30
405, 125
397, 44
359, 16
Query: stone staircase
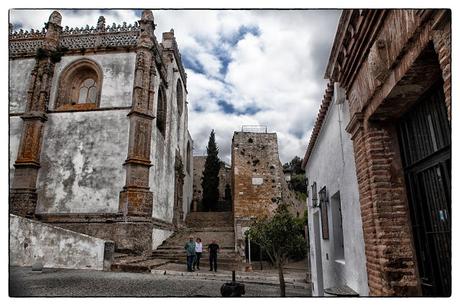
208, 226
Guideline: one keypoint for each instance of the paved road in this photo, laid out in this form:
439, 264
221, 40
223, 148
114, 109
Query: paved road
54, 282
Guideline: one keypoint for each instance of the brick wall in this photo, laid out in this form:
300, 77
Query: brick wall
375, 104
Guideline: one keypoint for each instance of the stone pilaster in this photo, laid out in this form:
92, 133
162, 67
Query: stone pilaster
136, 197
23, 197
178, 213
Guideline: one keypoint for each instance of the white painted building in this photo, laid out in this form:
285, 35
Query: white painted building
334, 216
99, 139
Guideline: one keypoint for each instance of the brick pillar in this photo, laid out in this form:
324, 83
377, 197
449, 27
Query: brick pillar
136, 199
23, 195
390, 256
442, 46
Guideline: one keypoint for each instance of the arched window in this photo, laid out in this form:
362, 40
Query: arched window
188, 158
179, 97
79, 86
88, 91
161, 110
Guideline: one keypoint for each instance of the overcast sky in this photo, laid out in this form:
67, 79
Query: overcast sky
244, 67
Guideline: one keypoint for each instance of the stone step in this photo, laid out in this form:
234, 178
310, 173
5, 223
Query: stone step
203, 235
292, 281
140, 267
216, 229
210, 214
182, 256
168, 247
204, 262
215, 218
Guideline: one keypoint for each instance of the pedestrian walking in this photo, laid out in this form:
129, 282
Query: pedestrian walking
213, 249
190, 250
198, 251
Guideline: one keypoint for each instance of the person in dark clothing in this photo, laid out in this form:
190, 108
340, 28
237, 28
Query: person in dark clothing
213, 249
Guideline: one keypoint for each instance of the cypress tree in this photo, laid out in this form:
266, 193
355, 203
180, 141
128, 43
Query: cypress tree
210, 179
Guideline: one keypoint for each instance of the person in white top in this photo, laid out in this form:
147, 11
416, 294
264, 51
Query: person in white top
198, 251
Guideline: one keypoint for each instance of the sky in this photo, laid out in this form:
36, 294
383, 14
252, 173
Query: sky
244, 67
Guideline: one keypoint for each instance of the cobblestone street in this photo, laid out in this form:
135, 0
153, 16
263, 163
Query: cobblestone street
54, 282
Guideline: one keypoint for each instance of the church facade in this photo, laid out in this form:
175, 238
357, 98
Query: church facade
99, 139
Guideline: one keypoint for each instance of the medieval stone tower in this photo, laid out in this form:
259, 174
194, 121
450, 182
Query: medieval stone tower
99, 139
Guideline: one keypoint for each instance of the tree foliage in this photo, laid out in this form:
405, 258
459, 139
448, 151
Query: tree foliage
210, 180
281, 237
297, 182
295, 165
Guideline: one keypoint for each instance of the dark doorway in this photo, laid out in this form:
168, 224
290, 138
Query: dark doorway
425, 141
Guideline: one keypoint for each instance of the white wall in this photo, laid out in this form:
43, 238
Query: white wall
82, 162
54, 247
19, 79
158, 236
15, 138
163, 150
332, 164
117, 80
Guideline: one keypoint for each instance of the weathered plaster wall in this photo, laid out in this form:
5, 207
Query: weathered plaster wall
331, 164
164, 149
20, 71
81, 162
117, 81
158, 236
15, 138
54, 247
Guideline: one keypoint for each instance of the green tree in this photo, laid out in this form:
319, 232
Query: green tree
295, 165
280, 236
210, 179
297, 182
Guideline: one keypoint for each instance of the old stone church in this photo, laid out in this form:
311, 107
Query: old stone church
99, 140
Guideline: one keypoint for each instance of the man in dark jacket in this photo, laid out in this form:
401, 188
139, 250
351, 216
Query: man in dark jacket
213, 249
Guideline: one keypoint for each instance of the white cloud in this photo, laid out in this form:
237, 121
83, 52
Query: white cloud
277, 68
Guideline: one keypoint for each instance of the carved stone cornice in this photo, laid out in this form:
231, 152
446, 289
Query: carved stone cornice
25, 43
355, 125
356, 32
35, 115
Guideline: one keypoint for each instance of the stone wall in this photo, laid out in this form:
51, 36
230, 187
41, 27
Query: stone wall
224, 180
54, 247
256, 175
